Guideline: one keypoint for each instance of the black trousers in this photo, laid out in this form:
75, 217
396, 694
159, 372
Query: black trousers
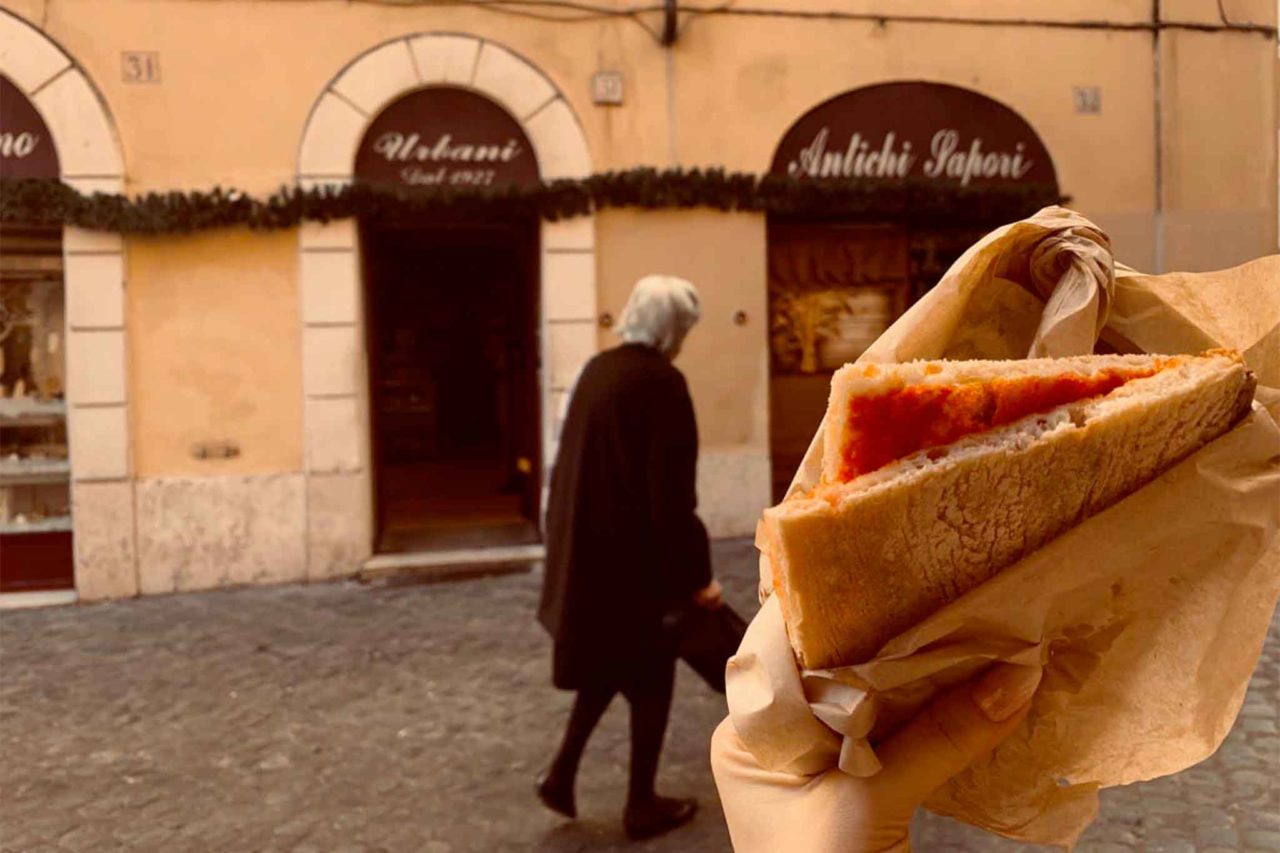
647, 685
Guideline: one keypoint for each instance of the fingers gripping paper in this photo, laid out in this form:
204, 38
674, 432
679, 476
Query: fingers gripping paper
1148, 617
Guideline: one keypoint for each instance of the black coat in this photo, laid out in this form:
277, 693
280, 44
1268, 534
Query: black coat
624, 542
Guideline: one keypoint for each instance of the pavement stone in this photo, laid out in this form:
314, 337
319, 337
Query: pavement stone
337, 717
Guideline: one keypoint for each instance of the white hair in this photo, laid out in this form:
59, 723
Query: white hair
660, 312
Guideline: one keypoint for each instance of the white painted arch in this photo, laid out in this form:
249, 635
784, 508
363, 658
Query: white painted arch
97, 377
337, 440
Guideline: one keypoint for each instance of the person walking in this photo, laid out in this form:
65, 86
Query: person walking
625, 546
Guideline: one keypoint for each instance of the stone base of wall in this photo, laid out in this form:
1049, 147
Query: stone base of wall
105, 560
339, 518
733, 489
205, 532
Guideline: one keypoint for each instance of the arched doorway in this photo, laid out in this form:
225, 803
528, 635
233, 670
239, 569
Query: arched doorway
94, 406
338, 428
835, 284
451, 308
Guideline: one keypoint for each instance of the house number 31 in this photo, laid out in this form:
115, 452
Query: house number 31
141, 66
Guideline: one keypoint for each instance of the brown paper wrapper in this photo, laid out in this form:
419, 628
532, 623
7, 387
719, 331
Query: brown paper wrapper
1149, 617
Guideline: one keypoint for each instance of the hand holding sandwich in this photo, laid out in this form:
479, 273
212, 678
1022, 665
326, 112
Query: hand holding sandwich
710, 596
768, 810
935, 477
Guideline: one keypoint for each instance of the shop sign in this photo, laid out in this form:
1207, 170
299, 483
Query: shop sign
445, 137
26, 146
921, 131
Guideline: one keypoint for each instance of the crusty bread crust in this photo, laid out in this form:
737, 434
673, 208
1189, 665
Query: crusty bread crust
855, 564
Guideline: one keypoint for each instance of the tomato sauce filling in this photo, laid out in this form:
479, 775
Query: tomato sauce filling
888, 426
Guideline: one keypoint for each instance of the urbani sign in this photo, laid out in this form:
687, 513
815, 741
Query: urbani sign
26, 147
445, 137
920, 131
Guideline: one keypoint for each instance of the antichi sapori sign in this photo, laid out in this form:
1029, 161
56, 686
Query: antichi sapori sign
914, 130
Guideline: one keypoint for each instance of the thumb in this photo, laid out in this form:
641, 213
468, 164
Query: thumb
955, 730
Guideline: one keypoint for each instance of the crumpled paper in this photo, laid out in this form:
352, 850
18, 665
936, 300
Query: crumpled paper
1148, 617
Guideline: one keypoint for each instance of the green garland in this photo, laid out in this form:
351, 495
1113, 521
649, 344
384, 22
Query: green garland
51, 202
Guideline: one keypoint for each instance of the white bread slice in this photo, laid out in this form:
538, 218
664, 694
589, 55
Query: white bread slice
856, 563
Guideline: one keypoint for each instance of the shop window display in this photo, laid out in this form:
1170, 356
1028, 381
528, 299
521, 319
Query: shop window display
35, 497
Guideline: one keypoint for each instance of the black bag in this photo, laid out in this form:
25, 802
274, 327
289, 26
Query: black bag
706, 639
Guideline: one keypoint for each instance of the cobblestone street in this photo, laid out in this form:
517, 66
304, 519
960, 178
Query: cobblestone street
415, 718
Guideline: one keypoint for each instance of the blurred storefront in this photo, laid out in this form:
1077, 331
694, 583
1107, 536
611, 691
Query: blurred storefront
227, 406
834, 285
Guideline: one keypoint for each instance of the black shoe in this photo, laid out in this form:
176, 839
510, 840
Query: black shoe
659, 815
557, 797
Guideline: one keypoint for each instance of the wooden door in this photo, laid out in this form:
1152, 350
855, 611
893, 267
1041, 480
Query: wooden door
833, 289
451, 309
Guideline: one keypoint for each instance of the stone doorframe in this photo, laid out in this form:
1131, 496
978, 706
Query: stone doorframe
335, 387
102, 491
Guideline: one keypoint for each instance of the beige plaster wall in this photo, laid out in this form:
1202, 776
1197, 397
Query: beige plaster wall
1219, 119
213, 320
724, 255
1031, 71
239, 78
214, 352
213, 327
